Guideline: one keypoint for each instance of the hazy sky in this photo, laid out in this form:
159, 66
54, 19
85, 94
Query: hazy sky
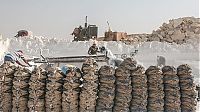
58, 18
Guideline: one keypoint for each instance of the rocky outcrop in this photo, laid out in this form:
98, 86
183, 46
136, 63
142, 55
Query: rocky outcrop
177, 30
135, 38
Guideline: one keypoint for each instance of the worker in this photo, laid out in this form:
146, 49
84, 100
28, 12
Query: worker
17, 58
93, 49
161, 61
103, 50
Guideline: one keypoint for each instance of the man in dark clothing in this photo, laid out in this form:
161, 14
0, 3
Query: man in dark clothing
93, 50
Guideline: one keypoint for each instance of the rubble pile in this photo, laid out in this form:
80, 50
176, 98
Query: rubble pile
139, 90
187, 88
20, 90
7, 71
71, 90
106, 92
155, 89
89, 89
37, 85
123, 94
177, 30
171, 89
136, 38
53, 96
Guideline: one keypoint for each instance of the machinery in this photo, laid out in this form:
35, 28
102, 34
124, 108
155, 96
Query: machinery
104, 56
114, 36
69, 59
86, 33
72, 59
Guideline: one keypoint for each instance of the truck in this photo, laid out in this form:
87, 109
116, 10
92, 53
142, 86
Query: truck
85, 33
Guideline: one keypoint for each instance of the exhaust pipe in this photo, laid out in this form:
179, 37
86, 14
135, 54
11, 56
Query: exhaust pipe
86, 22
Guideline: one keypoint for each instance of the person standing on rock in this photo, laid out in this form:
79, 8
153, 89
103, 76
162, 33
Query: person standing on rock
93, 49
17, 58
161, 61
